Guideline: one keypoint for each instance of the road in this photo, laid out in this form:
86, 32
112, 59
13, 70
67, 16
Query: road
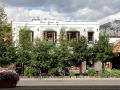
68, 84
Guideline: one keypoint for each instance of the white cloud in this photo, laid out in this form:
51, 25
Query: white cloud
87, 14
24, 14
17, 14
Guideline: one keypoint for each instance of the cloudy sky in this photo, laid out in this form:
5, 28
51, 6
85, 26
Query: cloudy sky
76, 10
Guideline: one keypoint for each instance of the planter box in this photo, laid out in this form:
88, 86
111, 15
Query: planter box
7, 84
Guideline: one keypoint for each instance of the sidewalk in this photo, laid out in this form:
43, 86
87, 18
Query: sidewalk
72, 78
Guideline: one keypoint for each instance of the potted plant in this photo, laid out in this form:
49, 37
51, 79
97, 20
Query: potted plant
8, 79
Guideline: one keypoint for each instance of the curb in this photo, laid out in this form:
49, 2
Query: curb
69, 78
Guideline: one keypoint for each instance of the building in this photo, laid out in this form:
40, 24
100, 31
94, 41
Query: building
50, 30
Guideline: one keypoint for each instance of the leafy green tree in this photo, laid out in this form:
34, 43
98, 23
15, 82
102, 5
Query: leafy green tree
7, 50
24, 48
102, 50
62, 51
80, 50
41, 55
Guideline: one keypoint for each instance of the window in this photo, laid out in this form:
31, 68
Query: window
50, 36
72, 35
90, 37
26, 36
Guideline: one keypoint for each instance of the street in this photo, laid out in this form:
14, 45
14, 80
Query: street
68, 84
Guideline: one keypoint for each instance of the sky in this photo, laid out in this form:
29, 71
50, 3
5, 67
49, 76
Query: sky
74, 10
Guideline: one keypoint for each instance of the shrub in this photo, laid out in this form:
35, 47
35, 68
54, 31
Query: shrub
91, 72
105, 73
110, 73
53, 72
29, 71
115, 73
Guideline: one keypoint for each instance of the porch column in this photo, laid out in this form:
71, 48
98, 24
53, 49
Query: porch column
83, 67
69, 35
54, 36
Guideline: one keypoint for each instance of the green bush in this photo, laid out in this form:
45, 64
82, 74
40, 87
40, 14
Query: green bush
115, 73
110, 73
29, 71
53, 71
91, 72
105, 73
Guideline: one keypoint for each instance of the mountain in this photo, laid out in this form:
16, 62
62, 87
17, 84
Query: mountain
110, 28
109, 18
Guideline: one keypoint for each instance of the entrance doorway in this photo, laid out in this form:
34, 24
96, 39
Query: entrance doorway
116, 62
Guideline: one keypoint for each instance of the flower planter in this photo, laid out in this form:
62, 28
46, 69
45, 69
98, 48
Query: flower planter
8, 78
7, 83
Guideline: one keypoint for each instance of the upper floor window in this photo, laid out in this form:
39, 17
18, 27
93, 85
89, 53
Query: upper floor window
90, 37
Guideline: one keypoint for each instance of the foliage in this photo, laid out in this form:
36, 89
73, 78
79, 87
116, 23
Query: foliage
110, 73
7, 50
24, 38
29, 71
79, 49
91, 72
41, 55
53, 72
105, 73
24, 48
62, 51
102, 50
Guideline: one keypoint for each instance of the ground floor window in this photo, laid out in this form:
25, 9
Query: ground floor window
72, 35
90, 37
50, 36
26, 36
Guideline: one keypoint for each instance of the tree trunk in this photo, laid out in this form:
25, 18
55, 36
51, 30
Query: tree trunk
102, 66
22, 69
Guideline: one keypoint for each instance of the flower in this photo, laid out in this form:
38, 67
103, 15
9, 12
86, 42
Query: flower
9, 75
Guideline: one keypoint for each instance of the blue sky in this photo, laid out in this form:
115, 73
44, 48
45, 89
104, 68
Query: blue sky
78, 10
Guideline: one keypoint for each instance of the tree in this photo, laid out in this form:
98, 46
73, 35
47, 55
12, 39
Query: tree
62, 51
80, 50
40, 55
7, 50
103, 50
24, 48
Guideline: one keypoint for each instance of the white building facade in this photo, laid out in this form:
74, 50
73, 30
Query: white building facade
50, 29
